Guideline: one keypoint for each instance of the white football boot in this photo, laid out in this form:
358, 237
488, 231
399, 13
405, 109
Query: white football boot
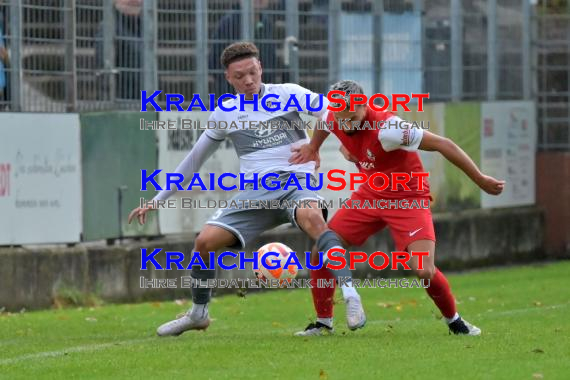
184, 323
462, 327
355, 317
314, 329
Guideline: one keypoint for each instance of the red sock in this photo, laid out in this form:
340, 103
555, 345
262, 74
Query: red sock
440, 292
323, 296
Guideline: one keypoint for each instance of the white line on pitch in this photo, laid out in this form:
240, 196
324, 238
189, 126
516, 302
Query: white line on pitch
86, 348
102, 346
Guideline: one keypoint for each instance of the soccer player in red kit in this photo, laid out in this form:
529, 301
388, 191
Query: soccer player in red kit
388, 147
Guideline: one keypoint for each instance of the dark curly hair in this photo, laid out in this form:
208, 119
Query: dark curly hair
238, 51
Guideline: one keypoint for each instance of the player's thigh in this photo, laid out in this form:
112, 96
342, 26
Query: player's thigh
245, 219
354, 226
311, 214
409, 225
311, 219
245, 224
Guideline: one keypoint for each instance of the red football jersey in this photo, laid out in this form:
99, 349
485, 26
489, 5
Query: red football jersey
385, 144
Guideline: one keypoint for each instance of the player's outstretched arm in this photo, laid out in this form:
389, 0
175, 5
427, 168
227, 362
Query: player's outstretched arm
202, 150
453, 153
309, 152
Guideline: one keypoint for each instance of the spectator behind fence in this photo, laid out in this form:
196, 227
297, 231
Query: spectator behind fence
128, 45
229, 31
4, 62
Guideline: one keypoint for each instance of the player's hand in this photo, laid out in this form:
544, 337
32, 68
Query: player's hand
140, 213
303, 154
347, 155
491, 185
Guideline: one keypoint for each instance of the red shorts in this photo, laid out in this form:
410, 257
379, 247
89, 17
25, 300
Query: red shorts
356, 225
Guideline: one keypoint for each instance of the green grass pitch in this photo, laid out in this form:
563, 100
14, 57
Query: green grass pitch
523, 312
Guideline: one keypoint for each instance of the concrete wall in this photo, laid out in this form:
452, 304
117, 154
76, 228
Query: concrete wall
31, 278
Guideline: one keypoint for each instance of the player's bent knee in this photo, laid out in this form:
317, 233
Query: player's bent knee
213, 238
425, 274
203, 244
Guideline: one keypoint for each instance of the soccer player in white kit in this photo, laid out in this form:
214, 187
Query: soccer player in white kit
260, 151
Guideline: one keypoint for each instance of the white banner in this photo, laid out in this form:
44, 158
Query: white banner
40, 178
508, 146
173, 146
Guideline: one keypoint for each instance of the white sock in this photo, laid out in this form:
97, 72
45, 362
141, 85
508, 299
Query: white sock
452, 319
348, 291
326, 321
199, 311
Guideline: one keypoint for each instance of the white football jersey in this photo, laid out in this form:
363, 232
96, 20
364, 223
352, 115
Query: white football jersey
265, 150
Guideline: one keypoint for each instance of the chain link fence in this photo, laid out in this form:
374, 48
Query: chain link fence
91, 55
552, 30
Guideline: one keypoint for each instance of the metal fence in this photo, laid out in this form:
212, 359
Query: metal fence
552, 31
87, 55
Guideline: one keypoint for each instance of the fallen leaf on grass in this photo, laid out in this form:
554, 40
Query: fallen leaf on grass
323, 375
537, 376
91, 319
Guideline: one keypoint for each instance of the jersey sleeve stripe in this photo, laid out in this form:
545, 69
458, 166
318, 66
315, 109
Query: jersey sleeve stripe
211, 138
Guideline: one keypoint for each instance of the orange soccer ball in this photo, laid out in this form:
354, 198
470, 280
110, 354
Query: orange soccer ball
279, 273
